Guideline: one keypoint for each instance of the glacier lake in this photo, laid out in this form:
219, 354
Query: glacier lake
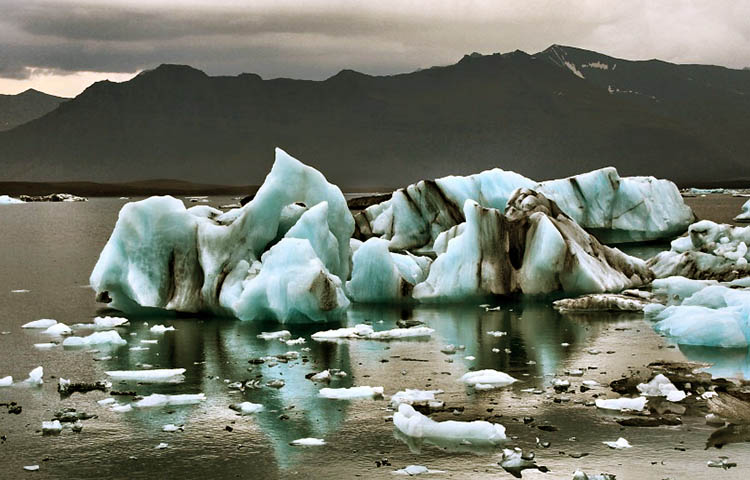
49, 251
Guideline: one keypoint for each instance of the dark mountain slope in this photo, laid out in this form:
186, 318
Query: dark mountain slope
18, 109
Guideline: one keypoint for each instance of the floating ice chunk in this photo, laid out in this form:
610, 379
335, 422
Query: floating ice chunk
295, 341
161, 446
246, 408
35, 376
281, 334
58, 329
106, 401
579, 475
416, 397
43, 323
6, 381
623, 403
45, 346
602, 302
31, 468
413, 424
308, 442
171, 428
8, 200
745, 215
108, 337
362, 331
159, 400
109, 322
323, 376
51, 428
163, 375
619, 444
496, 333
412, 470
487, 379
137, 349
20, 290
118, 408
151, 342
352, 393
161, 329
661, 386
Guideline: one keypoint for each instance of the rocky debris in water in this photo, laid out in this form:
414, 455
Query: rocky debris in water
51, 428
70, 415
123, 393
13, 408
67, 388
722, 462
77, 427
53, 197
515, 461
644, 421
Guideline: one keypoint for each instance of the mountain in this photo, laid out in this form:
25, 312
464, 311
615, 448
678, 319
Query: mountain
26, 106
555, 113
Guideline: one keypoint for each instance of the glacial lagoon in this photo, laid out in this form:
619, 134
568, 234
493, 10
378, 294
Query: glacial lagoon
49, 251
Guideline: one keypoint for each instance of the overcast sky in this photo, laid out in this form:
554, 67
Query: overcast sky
62, 46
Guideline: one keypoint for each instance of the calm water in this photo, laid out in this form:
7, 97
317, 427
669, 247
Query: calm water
50, 249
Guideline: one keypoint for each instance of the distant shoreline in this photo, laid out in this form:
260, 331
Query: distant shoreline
179, 187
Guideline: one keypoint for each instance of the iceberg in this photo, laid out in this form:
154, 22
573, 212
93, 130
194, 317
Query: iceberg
366, 332
104, 323
308, 442
413, 424
412, 470
51, 428
284, 254
533, 248
352, 393
623, 403
35, 376
417, 397
161, 329
619, 444
58, 329
487, 379
107, 337
6, 381
661, 386
246, 408
163, 375
8, 200
745, 215
43, 323
613, 208
626, 301
159, 400
280, 335
710, 251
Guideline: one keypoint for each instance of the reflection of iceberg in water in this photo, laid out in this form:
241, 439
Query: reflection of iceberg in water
725, 362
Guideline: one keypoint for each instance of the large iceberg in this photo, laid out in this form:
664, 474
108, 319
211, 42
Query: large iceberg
7, 200
709, 251
284, 254
533, 248
615, 209
702, 313
745, 215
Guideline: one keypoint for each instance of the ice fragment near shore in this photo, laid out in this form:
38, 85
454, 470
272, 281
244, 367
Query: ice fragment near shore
366, 332
661, 386
623, 403
35, 376
43, 323
308, 442
414, 424
280, 335
416, 397
8, 200
173, 375
412, 470
619, 444
161, 329
352, 393
159, 400
107, 337
165, 256
246, 408
745, 215
487, 379
6, 381
58, 329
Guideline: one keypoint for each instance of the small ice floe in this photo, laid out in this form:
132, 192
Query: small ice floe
160, 375
296, 341
308, 442
280, 335
412, 470
351, 393
31, 468
417, 397
579, 475
497, 333
745, 215
470, 358
51, 428
137, 349
171, 428
35, 376
106, 401
619, 444
161, 446
722, 462
413, 424
627, 301
20, 290
661, 386
487, 379
324, 376
108, 337
43, 323
103, 323
6, 381
150, 342
161, 329
44, 346
590, 383
160, 400
362, 331
246, 408
120, 408
514, 461
622, 403
276, 383
58, 329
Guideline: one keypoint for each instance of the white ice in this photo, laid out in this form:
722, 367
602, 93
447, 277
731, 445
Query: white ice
308, 442
745, 215
8, 200
623, 403
170, 428
43, 323
351, 393
281, 334
45, 345
414, 424
247, 408
362, 331
323, 376
487, 379
416, 397
159, 400
619, 444
161, 329
412, 470
6, 381
107, 337
161, 375
58, 329
53, 427
35, 376
661, 386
